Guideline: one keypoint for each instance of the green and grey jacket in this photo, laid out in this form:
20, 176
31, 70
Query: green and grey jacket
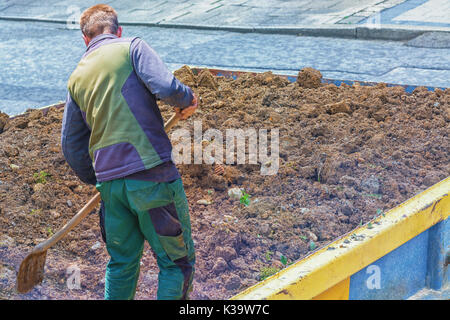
112, 124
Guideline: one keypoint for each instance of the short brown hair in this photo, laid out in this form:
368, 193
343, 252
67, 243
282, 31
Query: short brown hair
99, 19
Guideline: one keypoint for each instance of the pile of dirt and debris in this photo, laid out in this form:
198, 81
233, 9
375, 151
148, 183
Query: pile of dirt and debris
347, 154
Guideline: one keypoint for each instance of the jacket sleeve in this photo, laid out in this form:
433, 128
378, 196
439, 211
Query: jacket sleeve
157, 78
75, 142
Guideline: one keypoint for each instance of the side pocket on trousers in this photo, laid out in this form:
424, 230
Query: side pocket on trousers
168, 229
174, 246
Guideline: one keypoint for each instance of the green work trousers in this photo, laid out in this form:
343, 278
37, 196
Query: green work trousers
159, 213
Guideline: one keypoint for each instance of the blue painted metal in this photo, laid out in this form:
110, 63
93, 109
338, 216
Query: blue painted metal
401, 273
417, 264
408, 88
439, 247
235, 74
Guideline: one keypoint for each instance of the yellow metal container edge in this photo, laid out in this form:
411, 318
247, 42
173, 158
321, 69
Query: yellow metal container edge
335, 263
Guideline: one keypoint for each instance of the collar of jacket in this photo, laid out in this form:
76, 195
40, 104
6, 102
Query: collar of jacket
100, 38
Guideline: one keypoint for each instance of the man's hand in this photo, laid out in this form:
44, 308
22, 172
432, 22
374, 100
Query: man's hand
188, 111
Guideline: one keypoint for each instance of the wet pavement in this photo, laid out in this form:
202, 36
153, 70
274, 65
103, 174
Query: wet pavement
208, 12
37, 57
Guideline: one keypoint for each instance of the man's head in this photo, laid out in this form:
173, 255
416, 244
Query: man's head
97, 20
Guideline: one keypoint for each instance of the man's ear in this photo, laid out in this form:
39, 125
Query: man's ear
119, 31
86, 39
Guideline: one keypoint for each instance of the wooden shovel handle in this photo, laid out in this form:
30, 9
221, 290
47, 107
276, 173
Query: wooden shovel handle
69, 225
172, 122
43, 246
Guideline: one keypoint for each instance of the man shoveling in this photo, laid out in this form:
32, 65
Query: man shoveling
113, 136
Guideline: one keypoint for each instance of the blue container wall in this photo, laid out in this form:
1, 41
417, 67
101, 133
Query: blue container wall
417, 264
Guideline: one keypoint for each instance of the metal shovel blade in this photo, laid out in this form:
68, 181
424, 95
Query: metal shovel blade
31, 271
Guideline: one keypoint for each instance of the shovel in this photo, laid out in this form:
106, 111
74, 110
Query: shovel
31, 271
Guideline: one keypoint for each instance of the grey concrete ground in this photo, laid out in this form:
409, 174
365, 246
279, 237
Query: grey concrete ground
38, 57
415, 13
211, 12
361, 19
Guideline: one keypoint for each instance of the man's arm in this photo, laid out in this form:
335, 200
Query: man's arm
158, 79
75, 142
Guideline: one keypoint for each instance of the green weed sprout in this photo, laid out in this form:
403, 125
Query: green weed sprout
267, 272
41, 177
245, 199
268, 255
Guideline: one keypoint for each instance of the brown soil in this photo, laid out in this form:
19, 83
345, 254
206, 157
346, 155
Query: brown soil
185, 75
309, 78
206, 80
346, 154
